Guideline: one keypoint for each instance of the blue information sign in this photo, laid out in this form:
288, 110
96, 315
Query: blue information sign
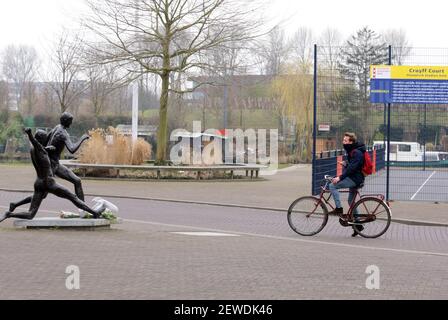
409, 91
409, 85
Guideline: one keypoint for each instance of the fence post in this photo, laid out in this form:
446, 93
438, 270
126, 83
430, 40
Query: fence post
384, 125
388, 139
424, 138
313, 179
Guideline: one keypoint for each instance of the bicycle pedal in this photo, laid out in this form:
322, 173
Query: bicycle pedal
343, 223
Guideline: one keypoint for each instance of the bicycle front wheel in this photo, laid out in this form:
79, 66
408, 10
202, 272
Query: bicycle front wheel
307, 216
372, 217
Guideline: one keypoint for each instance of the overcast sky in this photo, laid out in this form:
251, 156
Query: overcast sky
35, 21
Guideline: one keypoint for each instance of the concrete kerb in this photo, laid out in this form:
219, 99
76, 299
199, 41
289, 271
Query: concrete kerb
230, 205
237, 180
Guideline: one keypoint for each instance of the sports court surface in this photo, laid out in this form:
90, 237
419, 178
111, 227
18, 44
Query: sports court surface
411, 185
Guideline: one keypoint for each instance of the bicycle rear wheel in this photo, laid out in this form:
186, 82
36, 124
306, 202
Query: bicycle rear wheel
307, 216
374, 216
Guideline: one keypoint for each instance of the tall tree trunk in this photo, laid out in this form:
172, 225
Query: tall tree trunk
162, 136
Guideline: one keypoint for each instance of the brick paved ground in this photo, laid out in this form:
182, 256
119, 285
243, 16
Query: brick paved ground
144, 260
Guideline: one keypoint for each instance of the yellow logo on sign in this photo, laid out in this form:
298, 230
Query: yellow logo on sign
409, 72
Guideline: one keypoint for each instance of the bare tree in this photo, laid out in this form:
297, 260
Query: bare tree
225, 62
273, 51
329, 44
48, 100
102, 80
66, 69
301, 45
20, 65
401, 47
221, 94
125, 25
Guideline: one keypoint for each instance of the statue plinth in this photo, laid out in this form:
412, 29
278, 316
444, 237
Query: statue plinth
58, 223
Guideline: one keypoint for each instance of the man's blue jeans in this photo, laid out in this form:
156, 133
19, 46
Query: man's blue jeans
347, 183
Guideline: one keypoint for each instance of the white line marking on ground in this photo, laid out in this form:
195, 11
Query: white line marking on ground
206, 234
421, 187
292, 239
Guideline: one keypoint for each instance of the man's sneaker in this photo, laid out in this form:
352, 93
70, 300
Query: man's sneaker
359, 228
337, 211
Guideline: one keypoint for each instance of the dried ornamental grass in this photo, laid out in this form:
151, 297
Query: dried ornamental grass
111, 147
140, 152
95, 149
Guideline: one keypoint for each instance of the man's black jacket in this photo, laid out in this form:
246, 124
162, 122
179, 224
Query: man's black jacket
355, 162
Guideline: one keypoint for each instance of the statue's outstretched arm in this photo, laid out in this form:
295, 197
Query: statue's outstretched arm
73, 147
40, 148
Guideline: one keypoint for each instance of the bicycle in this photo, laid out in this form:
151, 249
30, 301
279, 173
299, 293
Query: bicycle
373, 213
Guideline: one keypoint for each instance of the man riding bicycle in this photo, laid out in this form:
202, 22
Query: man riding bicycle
352, 177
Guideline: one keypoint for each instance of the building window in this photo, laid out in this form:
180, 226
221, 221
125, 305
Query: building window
404, 148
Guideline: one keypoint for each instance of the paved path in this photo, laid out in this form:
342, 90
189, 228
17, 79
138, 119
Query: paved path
145, 257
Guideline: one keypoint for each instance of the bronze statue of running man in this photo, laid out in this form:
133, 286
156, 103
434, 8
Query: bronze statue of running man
45, 182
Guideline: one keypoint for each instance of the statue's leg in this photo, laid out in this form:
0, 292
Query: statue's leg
62, 192
66, 174
14, 205
35, 204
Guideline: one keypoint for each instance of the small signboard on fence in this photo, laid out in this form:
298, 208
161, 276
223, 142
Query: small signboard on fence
324, 128
409, 84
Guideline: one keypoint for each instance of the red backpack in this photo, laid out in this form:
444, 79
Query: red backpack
367, 167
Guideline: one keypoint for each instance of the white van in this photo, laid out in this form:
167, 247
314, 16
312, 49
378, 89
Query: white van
411, 151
